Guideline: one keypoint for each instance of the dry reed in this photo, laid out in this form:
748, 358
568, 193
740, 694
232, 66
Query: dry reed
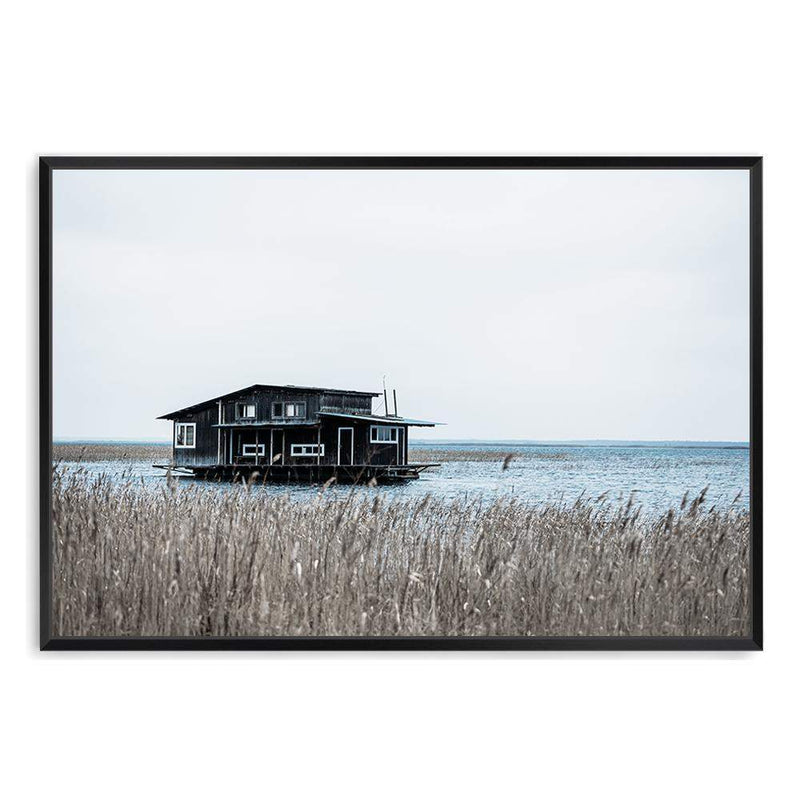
109, 451
195, 561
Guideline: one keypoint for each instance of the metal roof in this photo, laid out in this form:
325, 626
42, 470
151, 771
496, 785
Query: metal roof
257, 386
383, 420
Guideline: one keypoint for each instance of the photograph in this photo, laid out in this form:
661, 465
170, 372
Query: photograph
400, 403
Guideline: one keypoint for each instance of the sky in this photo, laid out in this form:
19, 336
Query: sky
508, 304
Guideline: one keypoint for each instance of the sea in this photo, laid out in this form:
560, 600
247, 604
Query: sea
654, 475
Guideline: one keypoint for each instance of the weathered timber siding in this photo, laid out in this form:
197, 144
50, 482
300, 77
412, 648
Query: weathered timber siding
204, 452
327, 428
347, 403
315, 401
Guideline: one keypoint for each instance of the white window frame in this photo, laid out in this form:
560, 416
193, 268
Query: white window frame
186, 425
245, 415
373, 435
249, 449
307, 450
283, 414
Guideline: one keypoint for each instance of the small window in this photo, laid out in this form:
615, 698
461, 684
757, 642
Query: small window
308, 449
245, 411
184, 434
382, 434
288, 410
250, 450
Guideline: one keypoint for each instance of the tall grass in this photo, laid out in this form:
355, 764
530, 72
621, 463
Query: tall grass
198, 561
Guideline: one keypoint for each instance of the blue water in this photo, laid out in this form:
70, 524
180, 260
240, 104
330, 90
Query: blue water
655, 475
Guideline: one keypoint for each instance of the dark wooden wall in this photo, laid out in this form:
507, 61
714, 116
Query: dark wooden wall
315, 401
205, 451
364, 452
347, 403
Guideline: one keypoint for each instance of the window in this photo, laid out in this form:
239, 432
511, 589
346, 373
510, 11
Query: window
308, 449
245, 411
250, 450
294, 410
382, 434
288, 410
184, 434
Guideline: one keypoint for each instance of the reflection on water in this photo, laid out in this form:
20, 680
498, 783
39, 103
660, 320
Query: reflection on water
656, 476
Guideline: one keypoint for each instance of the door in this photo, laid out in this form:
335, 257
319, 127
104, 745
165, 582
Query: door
276, 446
345, 447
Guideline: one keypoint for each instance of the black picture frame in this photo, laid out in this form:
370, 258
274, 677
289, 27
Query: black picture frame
49, 164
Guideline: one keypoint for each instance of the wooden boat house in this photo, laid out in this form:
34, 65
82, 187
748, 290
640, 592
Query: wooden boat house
292, 433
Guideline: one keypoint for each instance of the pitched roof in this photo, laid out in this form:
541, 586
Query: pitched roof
258, 386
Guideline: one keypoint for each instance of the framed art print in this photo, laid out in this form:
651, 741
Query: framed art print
408, 402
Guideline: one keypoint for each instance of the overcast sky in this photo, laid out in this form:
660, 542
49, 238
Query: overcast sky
508, 304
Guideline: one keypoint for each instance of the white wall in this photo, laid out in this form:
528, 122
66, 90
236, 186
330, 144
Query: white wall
618, 77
